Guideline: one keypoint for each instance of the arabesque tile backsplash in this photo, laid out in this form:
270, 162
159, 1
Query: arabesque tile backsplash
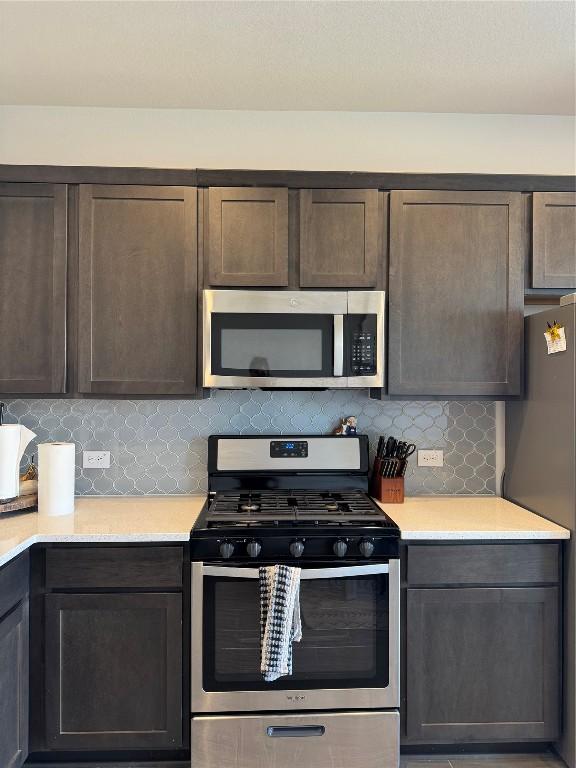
160, 446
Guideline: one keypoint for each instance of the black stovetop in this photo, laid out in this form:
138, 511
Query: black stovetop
291, 508
232, 522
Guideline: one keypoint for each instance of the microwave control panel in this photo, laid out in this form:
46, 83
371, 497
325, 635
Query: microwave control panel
362, 344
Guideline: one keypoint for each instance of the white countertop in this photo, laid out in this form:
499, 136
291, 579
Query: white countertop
101, 519
469, 517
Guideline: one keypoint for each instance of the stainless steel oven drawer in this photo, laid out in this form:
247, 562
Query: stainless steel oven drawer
325, 740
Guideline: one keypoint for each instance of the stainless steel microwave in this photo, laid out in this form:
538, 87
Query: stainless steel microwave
293, 339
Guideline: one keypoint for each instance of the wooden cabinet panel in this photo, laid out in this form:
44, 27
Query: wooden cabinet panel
33, 256
137, 290
14, 582
14, 687
456, 294
340, 237
114, 671
14, 682
514, 564
482, 664
94, 567
247, 236
554, 240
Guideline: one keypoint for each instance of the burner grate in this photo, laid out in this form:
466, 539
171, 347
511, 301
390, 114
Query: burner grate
251, 505
289, 508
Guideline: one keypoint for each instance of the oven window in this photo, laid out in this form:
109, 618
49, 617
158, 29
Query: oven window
272, 345
344, 635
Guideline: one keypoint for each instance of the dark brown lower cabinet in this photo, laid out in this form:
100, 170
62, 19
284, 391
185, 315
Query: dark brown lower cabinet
482, 664
113, 671
14, 687
14, 665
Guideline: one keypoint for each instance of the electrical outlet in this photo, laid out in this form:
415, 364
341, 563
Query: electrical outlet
431, 458
96, 459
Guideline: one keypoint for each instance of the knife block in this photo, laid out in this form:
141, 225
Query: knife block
389, 490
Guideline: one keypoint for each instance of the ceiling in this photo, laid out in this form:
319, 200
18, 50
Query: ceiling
388, 56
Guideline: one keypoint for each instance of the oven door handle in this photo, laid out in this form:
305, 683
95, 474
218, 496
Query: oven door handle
294, 731
307, 573
338, 345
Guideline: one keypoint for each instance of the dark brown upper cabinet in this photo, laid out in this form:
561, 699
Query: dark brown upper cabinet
456, 294
33, 255
246, 235
137, 290
554, 240
340, 238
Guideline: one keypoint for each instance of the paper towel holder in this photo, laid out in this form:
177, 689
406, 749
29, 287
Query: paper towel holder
14, 439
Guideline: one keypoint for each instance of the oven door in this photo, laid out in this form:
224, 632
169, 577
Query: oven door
349, 653
274, 339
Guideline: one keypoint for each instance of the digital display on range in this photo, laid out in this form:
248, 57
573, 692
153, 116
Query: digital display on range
288, 449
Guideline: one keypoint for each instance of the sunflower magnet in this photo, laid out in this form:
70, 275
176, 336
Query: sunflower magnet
555, 338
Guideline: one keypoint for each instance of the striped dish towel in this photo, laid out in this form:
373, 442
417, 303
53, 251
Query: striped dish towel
280, 623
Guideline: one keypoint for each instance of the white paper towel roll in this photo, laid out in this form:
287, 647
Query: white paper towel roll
9, 461
56, 473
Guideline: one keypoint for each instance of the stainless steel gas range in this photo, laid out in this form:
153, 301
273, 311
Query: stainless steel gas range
302, 501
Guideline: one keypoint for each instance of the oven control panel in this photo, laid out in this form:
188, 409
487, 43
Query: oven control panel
288, 449
332, 548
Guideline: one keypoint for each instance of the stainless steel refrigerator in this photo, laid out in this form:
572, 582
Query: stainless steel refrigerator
541, 469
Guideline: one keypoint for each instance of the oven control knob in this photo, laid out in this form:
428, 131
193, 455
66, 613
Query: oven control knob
297, 548
254, 548
366, 547
340, 548
226, 549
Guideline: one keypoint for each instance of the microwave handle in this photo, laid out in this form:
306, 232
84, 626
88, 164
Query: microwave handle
338, 345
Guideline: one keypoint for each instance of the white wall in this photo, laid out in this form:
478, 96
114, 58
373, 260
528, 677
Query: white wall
359, 141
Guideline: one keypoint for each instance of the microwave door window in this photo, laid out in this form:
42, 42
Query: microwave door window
272, 345
272, 349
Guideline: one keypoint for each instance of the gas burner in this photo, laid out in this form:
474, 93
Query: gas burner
250, 507
331, 506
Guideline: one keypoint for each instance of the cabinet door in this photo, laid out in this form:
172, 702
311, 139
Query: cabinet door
14, 687
554, 240
340, 237
247, 236
137, 290
33, 288
456, 294
482, 664
114, 671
